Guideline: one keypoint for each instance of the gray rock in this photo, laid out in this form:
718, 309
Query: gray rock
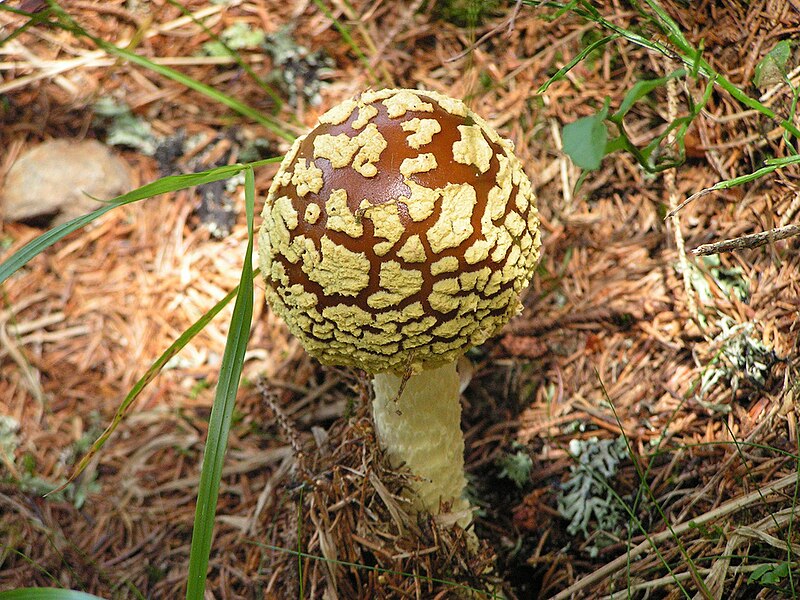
60, 178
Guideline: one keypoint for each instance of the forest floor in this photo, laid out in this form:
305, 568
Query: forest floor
633, 433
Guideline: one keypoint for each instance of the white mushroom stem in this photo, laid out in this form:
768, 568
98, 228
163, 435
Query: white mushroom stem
422, 430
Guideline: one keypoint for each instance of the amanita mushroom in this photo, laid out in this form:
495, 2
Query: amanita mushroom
397, 235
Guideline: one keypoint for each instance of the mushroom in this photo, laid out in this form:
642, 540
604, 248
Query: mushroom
398, 234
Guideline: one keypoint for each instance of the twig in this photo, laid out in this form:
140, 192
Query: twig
47, 337
753, 240
90, 57
670, 177
507, 23
772, 164
285, 423
793, 209
729, 507
566, 185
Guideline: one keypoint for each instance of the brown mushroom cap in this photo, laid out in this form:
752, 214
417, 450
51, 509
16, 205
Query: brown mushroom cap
398, 233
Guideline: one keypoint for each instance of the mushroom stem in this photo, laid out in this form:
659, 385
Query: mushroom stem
422, 430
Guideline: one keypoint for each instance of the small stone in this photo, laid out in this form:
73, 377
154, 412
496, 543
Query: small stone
59, 179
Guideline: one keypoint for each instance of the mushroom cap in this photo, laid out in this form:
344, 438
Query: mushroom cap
398, 233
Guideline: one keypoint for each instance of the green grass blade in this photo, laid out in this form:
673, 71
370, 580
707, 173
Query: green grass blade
46, 594
640, 89
35, 247
68, 23
772, 164
243, 109
345, 33
151, 373
171, 183
578, 58
232, 53
270, 123
222, 412
668, 25
33, 19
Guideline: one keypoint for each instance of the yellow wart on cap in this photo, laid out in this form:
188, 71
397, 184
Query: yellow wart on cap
385, 222
339, 270
472, 148
403, 101
339, 113
412, 251
307, 177
423, 131
312, 213
454, 224
397, 283
362, 150
448, 264
366, 112
419, 164
340, 217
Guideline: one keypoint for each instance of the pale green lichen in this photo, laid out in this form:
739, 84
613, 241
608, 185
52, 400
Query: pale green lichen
587, 498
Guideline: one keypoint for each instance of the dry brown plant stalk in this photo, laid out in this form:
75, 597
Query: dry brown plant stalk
748, 242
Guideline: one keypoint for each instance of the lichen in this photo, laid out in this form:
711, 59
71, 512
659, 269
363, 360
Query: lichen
588, 496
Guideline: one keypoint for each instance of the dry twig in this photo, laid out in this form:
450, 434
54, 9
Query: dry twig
748, 242
730, 507
670, 181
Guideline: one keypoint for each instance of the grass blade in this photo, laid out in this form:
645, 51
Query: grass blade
222, 412
345, 33
578, 58
46, 594
270, 123
232, 53
207, 90
171, 183
145, 380
772, 164
640, 89
33, 20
